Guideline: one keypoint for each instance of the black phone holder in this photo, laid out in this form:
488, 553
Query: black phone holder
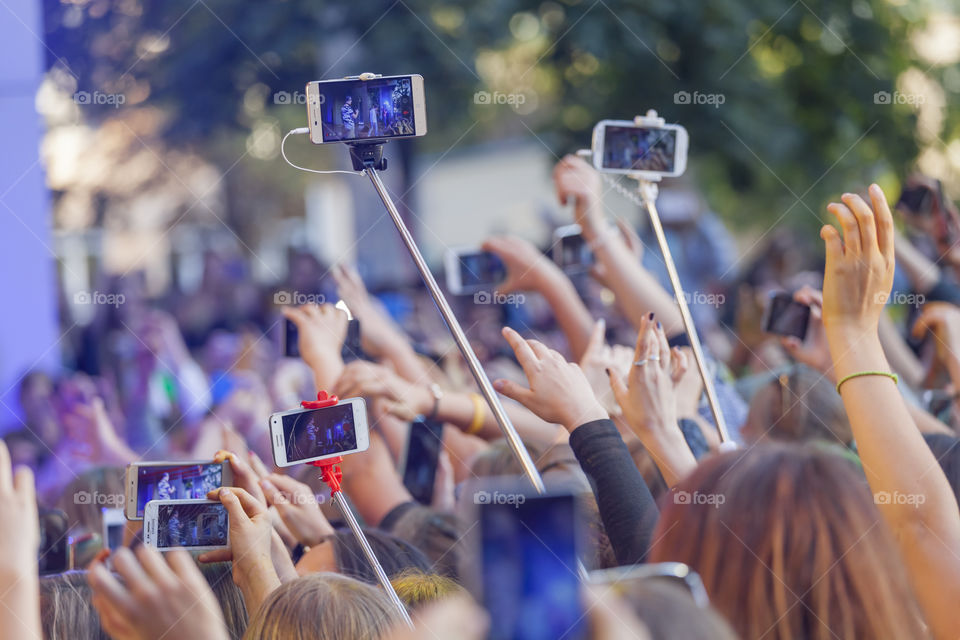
368, 155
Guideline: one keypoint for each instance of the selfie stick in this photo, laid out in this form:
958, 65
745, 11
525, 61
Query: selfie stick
648, 189
331, 474
367, 156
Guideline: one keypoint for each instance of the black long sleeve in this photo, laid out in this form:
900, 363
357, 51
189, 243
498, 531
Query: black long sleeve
627, 508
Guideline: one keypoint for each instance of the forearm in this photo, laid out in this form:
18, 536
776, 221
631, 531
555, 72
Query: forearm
256, 581
20, 606
927, 423
671, 454
376, 493
405, 360
458, 409
638, 293
571, 314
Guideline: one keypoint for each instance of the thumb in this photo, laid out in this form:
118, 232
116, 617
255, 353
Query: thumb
515, 391
619, 387
231, 503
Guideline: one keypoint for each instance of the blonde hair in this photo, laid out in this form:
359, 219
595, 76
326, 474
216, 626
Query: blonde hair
323, 606
416, 588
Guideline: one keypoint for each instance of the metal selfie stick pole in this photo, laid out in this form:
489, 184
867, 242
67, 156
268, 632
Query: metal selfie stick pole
648, 188
331, 474
368, 157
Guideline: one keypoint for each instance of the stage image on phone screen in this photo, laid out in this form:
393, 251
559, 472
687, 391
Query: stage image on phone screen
481, 269
321, 432
192, 525
639, 148
176, 483
380, 108
530, 583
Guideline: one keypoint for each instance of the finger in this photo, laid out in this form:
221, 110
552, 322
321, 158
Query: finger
885, 230
517, 392
256, 463
597, 339
107, 587
274, 495
521, 350
809, 296
832, 244
541, 350
6, 473
851, 230
128, 567
619, 387
153, 564
25, 486
288, 484
182, 565
664, 345
294, 315
865, 220
250, 505
680, 365
220, 555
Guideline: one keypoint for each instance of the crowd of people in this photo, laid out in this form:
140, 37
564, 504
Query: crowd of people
834, 516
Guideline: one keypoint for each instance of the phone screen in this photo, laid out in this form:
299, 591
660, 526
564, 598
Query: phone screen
423, 452
319, 432
639, 149
351, 349
176, 482
787, 317
575, 254
113, 523
481, 269
530, 584
291, 339
378, 108
192, 525
915, 200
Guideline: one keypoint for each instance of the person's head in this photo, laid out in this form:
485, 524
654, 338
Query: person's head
88, 493
341, 553
416, 588
800, 405
789, 544
65, 609
946, 449
323, 606
436, 533
668, 612
219, 575
349, 99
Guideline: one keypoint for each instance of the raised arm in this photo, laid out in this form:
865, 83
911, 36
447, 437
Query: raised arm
912, 493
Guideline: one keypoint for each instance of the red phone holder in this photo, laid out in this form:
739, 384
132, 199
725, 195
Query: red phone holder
330, 471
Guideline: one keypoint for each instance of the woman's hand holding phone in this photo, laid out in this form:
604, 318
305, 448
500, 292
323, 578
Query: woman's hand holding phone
322, 330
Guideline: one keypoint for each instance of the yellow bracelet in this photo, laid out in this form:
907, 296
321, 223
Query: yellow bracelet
885, 374
479, 414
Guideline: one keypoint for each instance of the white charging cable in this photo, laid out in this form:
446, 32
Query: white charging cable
300, 132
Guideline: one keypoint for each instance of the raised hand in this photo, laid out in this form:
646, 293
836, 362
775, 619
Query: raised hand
528, 269
398, 396
559, 391
598, 359
576, 180
19, 544
812, 351
157, 599
648, 398
298, 508
322, 330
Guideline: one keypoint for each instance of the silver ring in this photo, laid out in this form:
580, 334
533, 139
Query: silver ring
654, 358
639, 363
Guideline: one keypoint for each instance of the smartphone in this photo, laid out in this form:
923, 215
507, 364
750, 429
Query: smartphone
472, 270
305, 435
54, 554
530, 585
570, 251
148, 481
420, 460
916, 200
351, 349
620, 146
354, 109
675, 573
291, 339
196, 525
114, 521
784, 316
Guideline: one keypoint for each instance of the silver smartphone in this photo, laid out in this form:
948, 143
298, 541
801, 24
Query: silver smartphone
621, 146
571, 251
472, 270
306, 435
195, 525
114, 521
353, 109
148, 481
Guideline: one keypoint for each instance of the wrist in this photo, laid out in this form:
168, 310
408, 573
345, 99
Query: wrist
596, 412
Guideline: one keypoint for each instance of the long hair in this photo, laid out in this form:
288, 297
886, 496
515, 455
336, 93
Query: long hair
789, 546
65, 609
323, 606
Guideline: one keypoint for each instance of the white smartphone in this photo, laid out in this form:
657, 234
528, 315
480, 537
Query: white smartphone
196, 525
471, 270
148, 481
354, 109
620, 146
114, 520
570, 251
305, 435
